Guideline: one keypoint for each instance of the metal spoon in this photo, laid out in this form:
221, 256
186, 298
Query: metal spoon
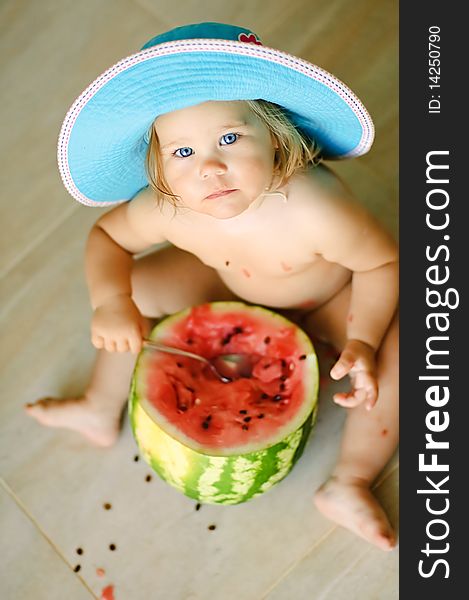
227, 367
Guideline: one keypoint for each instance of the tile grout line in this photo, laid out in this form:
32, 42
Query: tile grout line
316, 543
37, 240
35, 523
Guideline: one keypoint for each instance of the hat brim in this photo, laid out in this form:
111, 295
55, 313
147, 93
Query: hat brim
102, 143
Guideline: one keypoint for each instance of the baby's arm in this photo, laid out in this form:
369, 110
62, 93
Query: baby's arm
132, 227
346, 234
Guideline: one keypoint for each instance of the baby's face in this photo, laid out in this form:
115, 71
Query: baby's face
217, 156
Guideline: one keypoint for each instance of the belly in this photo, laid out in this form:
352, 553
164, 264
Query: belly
306, 289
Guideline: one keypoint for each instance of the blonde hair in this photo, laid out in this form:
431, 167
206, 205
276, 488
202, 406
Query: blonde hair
294, 150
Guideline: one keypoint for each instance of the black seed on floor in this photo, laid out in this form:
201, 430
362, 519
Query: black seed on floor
112, 547
136, 458
245, 427
277, 398
79, 550
261, 416
243, 412
107, 506
267, 340
148, 478
197, 506
264, 396
212, 527
303, 357
247, 419
77, 568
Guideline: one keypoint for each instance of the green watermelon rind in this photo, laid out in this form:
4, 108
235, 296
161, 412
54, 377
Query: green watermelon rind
230, 477
311, 383
229, 484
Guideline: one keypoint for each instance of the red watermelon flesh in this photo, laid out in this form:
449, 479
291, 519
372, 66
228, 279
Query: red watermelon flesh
186, 395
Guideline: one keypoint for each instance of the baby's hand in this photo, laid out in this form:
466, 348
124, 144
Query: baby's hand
118, 326
358, 361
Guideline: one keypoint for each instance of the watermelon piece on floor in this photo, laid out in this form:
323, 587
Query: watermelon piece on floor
224, 443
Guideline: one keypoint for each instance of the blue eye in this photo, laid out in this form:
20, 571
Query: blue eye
228, 138
184, 152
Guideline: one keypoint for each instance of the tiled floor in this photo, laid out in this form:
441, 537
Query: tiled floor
55, 486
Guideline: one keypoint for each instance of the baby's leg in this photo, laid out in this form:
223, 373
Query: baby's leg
370, 437
163, 282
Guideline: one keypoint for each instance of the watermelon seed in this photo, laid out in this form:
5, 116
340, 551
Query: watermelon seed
79, 550
136, 458
284, 363
267, 366
77, 568
282, 387
205, 424
277, 398
261, 416
148, 478
247, 419
303, 357
264, 396
212, 527
243, 412
107, 506
180, 365
227, 339
190, 389
182, 407
238, 330
197, 506
245, 427
267, 340
208, 418
283, 378
112, 547
189, 341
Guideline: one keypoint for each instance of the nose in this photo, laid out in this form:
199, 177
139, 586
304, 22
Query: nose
212, 166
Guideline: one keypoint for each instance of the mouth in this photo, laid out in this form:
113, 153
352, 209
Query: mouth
219, 194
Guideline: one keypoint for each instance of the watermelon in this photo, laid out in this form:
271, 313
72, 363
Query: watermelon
224, 442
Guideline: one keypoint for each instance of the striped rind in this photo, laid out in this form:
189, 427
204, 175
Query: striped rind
215, 479
221, 478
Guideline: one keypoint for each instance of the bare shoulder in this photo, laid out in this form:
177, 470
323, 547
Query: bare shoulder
335, 221
136, 225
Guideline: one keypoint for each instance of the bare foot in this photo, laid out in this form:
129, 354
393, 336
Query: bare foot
98, 423
351, 504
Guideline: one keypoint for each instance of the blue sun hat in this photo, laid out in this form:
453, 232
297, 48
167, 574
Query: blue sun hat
104, 136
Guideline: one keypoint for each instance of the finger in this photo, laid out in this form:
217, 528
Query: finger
372, 396
342, 366
122, 345
135, 344
110, 346
97, 341
350, 399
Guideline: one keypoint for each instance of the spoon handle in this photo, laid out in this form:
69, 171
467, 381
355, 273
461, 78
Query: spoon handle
170, 350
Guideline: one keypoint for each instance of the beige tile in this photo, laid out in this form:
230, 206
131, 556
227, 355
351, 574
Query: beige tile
54, 49
343, 567
31, 567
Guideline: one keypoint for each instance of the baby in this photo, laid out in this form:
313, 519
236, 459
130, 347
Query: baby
247, 212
